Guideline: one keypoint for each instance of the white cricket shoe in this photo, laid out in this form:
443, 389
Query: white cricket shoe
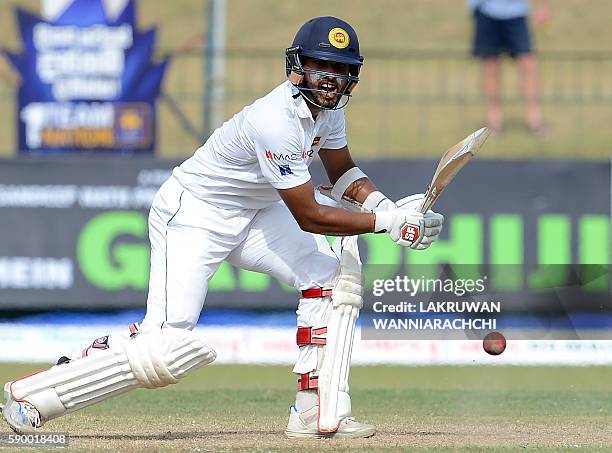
304, 415
304, 425
20, 415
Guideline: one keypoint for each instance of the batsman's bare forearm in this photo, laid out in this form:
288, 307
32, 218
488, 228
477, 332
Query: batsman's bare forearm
360, 189
335, 221
317, 218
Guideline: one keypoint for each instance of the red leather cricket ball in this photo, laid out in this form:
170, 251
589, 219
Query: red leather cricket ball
494, 343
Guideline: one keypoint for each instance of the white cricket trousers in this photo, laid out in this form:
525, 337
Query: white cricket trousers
190, 238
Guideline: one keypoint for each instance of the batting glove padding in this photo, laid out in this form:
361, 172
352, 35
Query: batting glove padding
407, 226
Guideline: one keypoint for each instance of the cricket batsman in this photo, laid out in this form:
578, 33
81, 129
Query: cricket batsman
246, 196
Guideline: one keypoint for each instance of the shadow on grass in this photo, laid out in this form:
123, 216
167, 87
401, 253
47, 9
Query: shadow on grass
169, 435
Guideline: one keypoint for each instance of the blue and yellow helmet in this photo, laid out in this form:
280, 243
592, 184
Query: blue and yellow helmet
325, 38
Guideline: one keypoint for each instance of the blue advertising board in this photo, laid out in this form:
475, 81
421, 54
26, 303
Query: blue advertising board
88, 82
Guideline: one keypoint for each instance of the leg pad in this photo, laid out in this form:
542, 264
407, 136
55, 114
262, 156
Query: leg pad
151, 360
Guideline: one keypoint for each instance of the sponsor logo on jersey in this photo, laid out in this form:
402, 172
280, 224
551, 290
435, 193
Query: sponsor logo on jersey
316, 141
285, 170
290, 156
338, 38
410, 232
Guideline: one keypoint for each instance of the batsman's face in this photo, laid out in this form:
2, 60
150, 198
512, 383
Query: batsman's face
328, 87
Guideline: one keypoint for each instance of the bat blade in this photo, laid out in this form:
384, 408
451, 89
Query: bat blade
451, 162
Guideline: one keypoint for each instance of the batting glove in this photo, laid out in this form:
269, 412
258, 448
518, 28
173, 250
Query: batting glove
407, 226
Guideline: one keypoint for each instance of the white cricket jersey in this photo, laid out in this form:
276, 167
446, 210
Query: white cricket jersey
266, 146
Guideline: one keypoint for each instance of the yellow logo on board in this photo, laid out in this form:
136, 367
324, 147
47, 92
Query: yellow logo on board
130, 119
338, 38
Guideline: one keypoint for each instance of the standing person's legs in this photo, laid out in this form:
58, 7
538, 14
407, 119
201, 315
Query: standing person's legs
277, 246
517, 39
488, 46
491, 87
530, 78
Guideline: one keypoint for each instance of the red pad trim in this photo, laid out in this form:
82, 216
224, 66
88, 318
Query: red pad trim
319, 417
306, 382
313, 293
310, 335
23, 377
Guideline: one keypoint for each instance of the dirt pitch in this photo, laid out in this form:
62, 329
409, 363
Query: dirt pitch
244, 408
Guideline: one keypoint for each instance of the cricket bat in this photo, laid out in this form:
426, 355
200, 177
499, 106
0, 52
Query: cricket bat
452, 161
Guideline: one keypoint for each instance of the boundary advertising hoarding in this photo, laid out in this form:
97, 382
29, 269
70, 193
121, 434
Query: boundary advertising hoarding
88, 82
74, 231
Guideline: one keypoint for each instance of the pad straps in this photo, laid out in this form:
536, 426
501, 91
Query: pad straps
308, 381
313, 293
310, 336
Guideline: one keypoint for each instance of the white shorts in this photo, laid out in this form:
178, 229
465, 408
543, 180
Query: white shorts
190, 238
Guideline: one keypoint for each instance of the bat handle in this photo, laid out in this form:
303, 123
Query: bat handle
424, 208
428, 201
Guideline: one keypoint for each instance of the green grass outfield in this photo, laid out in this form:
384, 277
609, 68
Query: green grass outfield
424, 408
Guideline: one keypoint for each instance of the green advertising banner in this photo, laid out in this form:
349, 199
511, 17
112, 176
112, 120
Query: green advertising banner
74, 231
